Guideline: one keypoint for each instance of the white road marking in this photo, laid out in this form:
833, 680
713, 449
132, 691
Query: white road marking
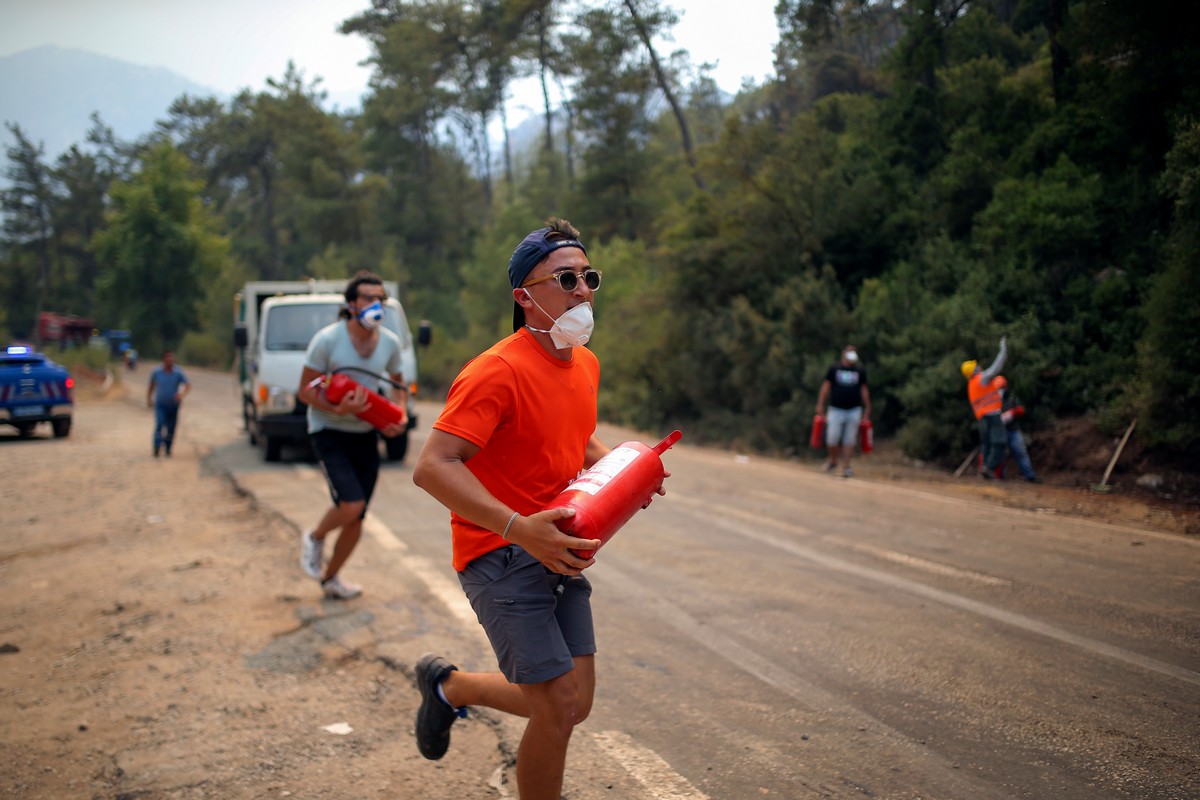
724, 516
923, 564
383, 534
643, 764
974, 505
647, 768
816, 700
444, 589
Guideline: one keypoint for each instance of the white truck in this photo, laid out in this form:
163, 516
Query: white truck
273, 324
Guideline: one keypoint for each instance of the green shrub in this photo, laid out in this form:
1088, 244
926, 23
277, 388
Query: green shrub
93, 358
205, 350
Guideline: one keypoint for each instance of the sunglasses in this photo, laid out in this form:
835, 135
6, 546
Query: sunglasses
568, 280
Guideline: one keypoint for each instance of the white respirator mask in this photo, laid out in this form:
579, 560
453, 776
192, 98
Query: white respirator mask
572, 329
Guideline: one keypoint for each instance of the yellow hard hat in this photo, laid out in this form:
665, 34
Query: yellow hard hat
968, 369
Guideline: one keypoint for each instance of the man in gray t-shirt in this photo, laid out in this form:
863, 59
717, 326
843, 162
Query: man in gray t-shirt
345, 445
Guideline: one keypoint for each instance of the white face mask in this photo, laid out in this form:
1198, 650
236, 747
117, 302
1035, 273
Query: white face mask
572, 329
371, 317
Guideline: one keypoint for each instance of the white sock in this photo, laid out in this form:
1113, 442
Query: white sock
442, 695
460, 712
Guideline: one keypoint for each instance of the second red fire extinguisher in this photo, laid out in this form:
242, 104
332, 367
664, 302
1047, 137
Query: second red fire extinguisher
866, 436
817, 440
611, 491
380, 411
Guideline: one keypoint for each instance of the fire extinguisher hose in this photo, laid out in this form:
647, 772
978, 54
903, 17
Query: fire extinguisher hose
375, 375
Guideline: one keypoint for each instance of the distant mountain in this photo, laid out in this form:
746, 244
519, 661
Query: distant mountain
51, 93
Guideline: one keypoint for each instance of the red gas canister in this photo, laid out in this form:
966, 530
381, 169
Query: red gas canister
866, 436
817, 440
608, 494
380, 411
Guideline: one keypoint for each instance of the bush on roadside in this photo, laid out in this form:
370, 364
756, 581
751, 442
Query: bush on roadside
204, 350
93, 358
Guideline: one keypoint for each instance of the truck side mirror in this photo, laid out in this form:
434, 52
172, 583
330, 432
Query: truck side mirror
425, 333
240, 337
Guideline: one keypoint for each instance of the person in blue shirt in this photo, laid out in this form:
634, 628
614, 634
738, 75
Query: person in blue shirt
1011, 411
168, 386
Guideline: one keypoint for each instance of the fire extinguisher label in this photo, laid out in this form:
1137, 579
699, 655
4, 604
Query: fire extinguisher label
604, 470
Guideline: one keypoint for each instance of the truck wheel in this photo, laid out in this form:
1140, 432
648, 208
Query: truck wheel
25, 429
62, 427
271, 447
397, 447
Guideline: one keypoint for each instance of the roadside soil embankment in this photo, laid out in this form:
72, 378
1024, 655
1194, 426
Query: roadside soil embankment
159, 640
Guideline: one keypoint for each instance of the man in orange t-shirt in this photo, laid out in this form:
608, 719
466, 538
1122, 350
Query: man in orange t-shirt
519, 424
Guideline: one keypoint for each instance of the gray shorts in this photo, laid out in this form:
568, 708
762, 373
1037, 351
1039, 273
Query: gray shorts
841, 426
535, 632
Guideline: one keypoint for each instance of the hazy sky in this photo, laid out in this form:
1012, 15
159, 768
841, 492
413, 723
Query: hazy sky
229, 45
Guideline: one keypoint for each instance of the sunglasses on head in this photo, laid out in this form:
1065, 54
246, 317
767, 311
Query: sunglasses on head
568, 280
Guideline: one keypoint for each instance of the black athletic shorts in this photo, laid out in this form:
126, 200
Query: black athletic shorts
350, 462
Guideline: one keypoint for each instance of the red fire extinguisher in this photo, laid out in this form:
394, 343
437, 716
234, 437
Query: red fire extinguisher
611, 491
817, 440
379, 411
866, 436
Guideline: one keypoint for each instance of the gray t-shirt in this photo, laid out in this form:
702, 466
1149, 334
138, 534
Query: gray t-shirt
330, 349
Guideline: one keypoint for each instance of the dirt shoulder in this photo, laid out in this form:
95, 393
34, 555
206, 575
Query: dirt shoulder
160, 642
1067, 487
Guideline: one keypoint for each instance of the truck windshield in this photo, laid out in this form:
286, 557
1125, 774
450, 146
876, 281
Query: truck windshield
291, 327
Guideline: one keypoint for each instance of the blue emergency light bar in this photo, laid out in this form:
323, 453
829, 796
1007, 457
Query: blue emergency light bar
18, 350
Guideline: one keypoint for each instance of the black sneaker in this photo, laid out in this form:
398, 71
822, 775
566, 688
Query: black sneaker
434, 717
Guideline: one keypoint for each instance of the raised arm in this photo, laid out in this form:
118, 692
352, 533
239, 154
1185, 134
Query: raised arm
997, 365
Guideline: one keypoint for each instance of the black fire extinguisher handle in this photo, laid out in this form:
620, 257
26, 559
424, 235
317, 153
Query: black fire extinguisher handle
375, 375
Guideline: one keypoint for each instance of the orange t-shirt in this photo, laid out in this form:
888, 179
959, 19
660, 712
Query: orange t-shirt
531, 415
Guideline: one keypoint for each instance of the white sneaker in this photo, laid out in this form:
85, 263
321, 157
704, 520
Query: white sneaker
312, 555
337, 589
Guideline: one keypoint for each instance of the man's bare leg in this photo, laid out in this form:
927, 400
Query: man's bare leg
553, 708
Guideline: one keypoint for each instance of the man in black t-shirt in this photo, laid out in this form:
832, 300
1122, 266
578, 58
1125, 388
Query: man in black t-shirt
845, 387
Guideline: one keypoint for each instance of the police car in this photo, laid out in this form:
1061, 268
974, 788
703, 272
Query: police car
34, 389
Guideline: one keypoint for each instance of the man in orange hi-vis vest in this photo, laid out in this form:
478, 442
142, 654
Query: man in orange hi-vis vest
987, 400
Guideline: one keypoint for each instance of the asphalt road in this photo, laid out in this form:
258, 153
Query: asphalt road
767, 630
